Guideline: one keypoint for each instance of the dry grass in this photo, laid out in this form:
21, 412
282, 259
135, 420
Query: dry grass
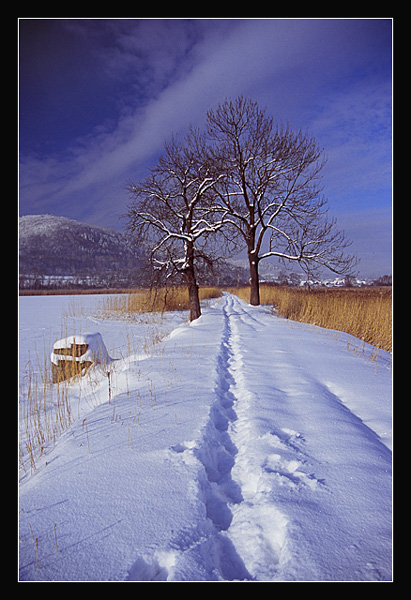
156, 300
365, 313
45, 407
45, 410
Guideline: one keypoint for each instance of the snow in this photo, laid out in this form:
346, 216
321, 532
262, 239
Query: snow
240, 447
96, 351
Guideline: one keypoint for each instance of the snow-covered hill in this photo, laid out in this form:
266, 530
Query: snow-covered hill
60, 252
242, 447
60, 246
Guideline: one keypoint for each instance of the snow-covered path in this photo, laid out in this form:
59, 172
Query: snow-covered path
246, 448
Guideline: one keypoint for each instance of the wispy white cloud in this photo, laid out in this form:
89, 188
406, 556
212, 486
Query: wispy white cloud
223, 63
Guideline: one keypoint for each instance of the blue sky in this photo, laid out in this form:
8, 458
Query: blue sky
99, 97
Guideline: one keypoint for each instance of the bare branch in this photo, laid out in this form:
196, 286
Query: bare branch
174, 212
244, 180
272, 188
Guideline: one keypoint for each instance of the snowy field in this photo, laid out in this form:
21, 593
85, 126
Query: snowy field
241, 447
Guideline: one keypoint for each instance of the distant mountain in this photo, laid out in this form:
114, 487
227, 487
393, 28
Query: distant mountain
56, 247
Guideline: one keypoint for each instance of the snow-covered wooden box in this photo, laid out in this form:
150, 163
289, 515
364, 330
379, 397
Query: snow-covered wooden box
75, 354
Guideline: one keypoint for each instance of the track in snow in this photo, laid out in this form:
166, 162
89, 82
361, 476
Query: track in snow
260, 480
246, 528
217, 455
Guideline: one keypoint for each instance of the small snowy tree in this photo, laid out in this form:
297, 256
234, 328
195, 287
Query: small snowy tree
172, 213
271, 191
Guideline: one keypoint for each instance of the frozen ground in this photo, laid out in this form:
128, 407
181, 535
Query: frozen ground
242, 447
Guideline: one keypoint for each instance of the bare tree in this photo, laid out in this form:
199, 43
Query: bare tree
269, 190
172, 213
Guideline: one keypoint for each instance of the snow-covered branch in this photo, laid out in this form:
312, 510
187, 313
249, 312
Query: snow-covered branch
175, 212
272, 189
244, 180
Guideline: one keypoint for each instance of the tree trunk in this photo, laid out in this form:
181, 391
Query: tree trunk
254, 282
194, 300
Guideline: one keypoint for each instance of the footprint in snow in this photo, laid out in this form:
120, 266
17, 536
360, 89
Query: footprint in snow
183, 446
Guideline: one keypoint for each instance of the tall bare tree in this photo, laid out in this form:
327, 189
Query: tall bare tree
171, 212
270, 191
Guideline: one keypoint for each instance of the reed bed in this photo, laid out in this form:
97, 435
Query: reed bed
46, 408
365, 313
156, 300
45, 412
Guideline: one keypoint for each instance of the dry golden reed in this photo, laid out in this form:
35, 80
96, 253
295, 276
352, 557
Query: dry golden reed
45, 407
156, 300
365, 313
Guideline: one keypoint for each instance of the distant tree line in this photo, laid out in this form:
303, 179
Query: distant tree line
221, 275
122, 278
385, 280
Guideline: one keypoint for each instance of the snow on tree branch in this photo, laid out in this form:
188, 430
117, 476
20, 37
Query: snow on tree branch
244, 180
